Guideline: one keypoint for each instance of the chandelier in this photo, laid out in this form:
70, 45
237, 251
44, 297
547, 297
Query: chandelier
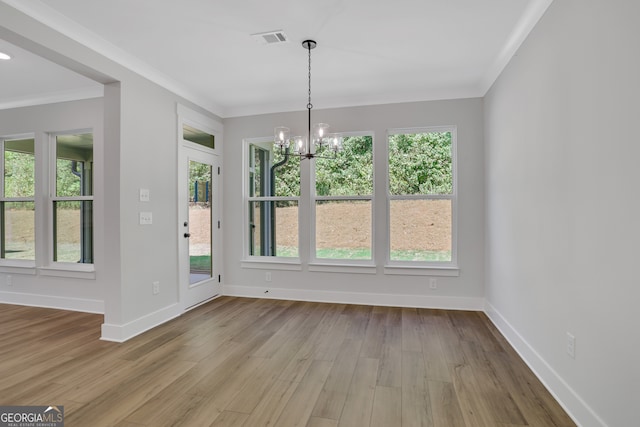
320, 138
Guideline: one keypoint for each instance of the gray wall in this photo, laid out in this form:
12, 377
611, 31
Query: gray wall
562, 207
465, 290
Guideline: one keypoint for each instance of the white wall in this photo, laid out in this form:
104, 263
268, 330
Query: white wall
29, 286
465, 291
562, 207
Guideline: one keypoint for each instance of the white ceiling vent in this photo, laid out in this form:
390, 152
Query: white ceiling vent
271, 37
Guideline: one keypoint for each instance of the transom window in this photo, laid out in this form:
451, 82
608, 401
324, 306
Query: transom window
198, 136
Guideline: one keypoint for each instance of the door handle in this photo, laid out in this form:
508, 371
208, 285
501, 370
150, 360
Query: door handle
187, 235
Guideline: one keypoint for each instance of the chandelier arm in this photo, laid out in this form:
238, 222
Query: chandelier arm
335, 156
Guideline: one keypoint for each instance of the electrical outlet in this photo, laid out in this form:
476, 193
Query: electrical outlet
571, 345
433, 283
156, 288
146, 218
9, 280
267, 276
144, 195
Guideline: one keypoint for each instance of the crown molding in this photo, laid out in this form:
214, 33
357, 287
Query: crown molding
532, 14
53, 97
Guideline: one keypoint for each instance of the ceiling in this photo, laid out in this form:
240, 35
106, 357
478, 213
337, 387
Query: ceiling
368, 52
35, 80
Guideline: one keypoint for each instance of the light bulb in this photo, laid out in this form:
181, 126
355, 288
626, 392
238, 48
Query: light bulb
281, 136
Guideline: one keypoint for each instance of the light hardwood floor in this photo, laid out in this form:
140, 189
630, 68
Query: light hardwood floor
252, 362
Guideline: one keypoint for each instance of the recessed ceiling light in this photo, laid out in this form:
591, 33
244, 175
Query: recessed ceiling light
4, 56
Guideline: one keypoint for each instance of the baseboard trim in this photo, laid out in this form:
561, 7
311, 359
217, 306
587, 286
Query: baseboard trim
389, 300
51, 301
578, 410
124, 332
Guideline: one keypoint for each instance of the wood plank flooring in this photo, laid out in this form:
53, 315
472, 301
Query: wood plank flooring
252, 362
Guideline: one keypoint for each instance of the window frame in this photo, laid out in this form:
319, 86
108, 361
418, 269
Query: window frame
444, 268
52, 198
253, 261
364, 264
19, 263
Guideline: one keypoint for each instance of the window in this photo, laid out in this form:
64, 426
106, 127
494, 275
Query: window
72, 201
343, 202
198, 136
421, 199
66, 237
17, 210
273, 198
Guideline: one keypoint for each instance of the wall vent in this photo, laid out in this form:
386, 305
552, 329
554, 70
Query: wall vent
271, 37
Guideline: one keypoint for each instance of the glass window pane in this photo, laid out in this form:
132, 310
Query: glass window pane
255, 228
258, 163
74, 165
18, 230
200, 241
199, 137
350, 173
420, 230
343, 229
73, 231
275, 222
272, 172
19, 162
286, 173
420, 163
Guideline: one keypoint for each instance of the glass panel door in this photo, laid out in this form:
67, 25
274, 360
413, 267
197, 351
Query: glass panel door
199, 246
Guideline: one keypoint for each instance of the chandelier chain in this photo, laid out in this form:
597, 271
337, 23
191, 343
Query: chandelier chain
309, 105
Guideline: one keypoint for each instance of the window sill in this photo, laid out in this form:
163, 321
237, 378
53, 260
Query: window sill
72, 270
343, 268
292, 264
422, 270
17, 267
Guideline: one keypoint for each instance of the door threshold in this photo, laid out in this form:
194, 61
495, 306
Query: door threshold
191, 307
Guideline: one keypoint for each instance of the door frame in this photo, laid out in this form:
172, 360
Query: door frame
187, 150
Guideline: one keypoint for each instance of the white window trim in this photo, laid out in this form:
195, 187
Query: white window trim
449, 268
258, 261
343, 265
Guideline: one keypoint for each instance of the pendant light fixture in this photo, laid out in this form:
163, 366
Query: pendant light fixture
319, 137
